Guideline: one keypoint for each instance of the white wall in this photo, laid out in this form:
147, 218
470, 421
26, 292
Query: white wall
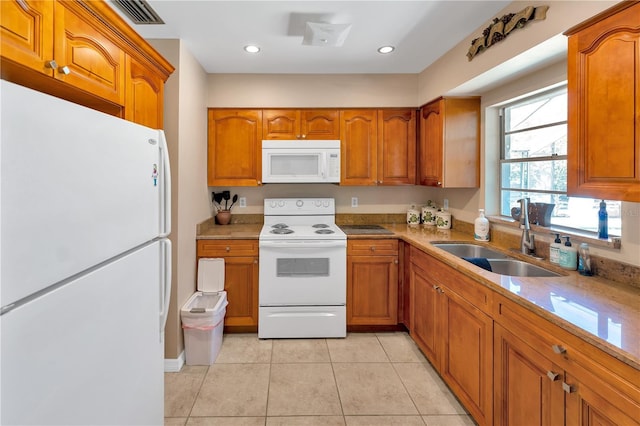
186, 129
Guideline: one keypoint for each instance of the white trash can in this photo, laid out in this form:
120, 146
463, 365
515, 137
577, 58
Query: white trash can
203, 314
203, 322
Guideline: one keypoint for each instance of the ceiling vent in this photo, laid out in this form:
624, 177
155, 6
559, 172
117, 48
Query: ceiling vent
138, 11
323, 34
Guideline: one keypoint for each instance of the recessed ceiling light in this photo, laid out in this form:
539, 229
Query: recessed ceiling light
386, 49
251, 48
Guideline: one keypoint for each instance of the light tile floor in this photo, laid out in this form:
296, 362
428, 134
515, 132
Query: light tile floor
365, 379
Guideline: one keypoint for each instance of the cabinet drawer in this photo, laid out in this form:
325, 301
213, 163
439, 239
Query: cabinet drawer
475, 293
223, 248
372, 247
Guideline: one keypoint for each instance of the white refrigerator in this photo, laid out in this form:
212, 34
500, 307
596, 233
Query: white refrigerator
84, 264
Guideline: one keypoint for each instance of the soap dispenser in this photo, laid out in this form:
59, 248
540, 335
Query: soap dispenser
481, 227
568, 256
554, 249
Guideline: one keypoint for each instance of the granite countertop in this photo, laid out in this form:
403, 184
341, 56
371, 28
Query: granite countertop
578, 304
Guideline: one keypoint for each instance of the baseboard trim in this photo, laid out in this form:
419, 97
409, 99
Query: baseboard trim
173, 365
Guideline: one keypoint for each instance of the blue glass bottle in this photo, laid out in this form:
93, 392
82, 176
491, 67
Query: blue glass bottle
603, 217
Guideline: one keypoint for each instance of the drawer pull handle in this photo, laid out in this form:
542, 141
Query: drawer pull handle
552, 376
228, 249
558, 349
567, 388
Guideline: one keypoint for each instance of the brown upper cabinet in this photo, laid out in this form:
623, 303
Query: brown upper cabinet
234, 147
300, 124
378, 146
84, 52
604, 105
449, 145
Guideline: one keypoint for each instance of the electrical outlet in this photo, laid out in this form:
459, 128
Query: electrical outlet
354, 201
243, 201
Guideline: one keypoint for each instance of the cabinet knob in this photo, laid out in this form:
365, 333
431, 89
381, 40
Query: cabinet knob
395, 261
552, 376
64, 70
567, 388
51, 64
439, 183
304, 136
228, 249
372, 248
298, 136
259, 183
558, 349
255, 260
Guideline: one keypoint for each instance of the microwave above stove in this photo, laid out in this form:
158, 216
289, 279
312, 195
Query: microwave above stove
300, 161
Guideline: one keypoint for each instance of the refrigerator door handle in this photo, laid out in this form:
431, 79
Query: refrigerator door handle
165, 287
165, 187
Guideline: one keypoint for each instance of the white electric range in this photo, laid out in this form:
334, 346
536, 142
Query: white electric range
303, 270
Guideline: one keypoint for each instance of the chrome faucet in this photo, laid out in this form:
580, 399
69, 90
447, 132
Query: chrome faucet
526, 242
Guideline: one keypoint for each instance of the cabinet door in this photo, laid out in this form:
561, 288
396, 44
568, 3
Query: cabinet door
27, 33
281, 124
590, 401
430, 145
320, 124
466, 358
358, 143
144, 95
241, 285
527, 386
234, 151
94, 63
604, 107
397, 147
372, 290
424, 313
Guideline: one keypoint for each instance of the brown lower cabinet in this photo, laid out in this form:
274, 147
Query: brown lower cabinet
544, 375
450, 325
372, 282
241, 280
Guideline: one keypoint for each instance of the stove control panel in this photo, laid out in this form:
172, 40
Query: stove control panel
299, 206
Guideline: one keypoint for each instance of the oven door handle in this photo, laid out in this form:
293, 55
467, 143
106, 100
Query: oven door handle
302, 244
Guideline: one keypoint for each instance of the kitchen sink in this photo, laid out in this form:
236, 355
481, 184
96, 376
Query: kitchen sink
500, 263
518, 268
470, 250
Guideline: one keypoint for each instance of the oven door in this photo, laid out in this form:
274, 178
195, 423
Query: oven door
303, 273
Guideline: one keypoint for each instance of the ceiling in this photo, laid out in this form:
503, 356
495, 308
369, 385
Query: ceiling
215, 32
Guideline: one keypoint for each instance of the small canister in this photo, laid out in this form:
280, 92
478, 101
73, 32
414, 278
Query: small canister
413, 215
443, 220
429, 215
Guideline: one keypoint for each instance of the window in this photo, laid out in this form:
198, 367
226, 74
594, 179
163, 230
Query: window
533, 162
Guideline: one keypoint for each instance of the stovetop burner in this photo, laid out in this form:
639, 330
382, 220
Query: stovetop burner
282, 231
320, 225
325, 231
280, 226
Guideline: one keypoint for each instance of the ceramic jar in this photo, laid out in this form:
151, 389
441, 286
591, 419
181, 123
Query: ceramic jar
443, 220
429, 215
223, 217
413, 216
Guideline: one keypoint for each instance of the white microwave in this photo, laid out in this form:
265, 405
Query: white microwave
300, 161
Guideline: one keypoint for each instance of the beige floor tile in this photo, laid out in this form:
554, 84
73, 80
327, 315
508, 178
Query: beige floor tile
384, 421
181, 389
244, 348
306, 421
226, 421
175, 421
302, 390
448, 420
371, 389
233, 390
357, 347
400, 348
300, 350
427, 391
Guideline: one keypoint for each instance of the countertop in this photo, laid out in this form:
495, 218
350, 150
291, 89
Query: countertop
578, 304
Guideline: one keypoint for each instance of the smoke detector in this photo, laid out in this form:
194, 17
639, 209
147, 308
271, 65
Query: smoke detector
323, 34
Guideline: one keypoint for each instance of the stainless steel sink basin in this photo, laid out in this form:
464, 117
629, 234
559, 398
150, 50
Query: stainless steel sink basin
470, 250
500, 263
518, 268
